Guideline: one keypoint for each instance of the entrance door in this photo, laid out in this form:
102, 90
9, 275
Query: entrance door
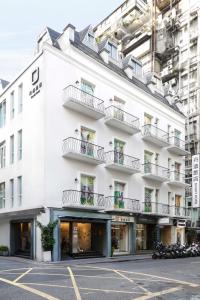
65, 239
22, 239
147, 161
87, 190
177, 205
119, 152
119, 190
120, 238
87, 141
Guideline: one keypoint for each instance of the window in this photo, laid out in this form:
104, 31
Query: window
12, 105
112, 51
2, 195
19, 150
12, 192
12, 149
3, 113
19, 190
87, 190
148, 200
169, 198
147, 119
3, 155
20, 98
119, 191
90, 39
137, 68
87, 87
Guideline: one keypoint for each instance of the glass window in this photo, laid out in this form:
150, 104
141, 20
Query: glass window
148, 200
3, 113
12, 192
12, 105
119, 190
3, 155
87, 190
87, 87
2, 195
120, 238
112, 51
19, 190
20, 98
19, 144
12, 149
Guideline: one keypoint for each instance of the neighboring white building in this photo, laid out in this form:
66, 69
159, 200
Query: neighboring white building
85, 140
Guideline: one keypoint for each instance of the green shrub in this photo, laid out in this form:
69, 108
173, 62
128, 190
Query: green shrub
3, 248
47, 238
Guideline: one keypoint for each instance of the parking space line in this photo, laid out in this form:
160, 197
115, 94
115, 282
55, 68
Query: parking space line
76, 290
29, 289
152, 295
132, 281
22, 275
83, 288
164, 278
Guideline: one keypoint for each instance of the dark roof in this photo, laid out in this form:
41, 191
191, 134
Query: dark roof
83, 33
77, 43
54, 35
4, 83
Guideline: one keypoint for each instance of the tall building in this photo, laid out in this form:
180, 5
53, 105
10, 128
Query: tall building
86, 140
164, 36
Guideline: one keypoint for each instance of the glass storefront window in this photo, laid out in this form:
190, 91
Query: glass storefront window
120, 238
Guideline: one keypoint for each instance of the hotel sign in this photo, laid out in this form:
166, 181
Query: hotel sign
36, 84
124, 219
195, 180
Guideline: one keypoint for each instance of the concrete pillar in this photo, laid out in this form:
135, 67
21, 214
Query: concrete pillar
107, 251
132, 238
56, 255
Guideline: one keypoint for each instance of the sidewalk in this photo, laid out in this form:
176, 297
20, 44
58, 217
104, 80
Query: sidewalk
83, 261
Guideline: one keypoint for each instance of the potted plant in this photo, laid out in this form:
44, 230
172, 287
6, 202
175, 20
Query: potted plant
47, 239
4, 250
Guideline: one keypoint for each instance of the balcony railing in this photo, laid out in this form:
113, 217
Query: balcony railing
121, 115
120, 203
74, 97
82, 148
177, 177
178, 211
155, 135
84, 199
177, 146
156, 208
117, 117
122, 160
155, 170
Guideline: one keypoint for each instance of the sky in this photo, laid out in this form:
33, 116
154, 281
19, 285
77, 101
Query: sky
22, 21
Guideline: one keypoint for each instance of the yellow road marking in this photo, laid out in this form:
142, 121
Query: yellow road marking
149, 275
29, 289
76, 290
82, 288
132, 281
164, 278
22, 275
152, 295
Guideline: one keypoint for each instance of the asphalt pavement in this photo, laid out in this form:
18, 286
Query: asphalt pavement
80, 280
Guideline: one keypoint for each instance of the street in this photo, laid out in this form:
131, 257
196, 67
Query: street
141, 280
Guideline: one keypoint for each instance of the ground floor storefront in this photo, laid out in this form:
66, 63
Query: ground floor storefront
82, 233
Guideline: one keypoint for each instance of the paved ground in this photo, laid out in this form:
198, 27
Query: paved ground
143, 279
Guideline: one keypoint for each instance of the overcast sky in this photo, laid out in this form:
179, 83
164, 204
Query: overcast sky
21, 22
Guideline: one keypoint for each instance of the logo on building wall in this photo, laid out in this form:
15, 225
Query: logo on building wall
195, 180
36, 83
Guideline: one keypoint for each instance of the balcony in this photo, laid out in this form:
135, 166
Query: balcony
155, 136
177, 146
155, 172
177, 179
121, 120
83, 151
122, 204
156, 208
83, 200
122, 162
178, 211
83, 102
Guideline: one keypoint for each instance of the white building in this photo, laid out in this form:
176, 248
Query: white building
85, 140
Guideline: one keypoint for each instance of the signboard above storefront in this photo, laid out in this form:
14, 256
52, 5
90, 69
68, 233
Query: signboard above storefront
124, 219
195, 180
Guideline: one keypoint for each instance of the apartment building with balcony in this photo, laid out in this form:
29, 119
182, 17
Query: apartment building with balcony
164, 36
86, 141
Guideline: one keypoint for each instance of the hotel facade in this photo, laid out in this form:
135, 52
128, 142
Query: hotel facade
87, 140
